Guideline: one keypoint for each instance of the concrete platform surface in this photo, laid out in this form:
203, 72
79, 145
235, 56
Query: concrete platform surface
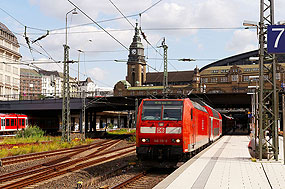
227, 164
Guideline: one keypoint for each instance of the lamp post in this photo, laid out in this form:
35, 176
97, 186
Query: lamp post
254, 108
268, 99
66, 91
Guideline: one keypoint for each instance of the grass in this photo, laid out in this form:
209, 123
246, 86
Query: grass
32, 135
15, 140
54, 145
122, 131
132, 138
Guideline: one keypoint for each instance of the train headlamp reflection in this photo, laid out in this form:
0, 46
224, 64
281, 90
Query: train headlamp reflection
145, 139
176, 140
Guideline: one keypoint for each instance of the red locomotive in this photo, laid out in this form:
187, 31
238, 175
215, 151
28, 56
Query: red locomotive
13, 122
171, 129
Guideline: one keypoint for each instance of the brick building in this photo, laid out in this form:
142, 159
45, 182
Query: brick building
229, 75
31, 84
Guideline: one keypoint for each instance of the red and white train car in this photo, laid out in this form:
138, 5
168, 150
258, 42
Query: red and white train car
215, 119
13, 122
170, 129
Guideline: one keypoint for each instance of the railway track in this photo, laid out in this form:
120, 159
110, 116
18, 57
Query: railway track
40, 155
52, 169
145, 179
9, 146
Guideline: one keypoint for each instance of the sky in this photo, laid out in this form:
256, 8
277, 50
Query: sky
204, 30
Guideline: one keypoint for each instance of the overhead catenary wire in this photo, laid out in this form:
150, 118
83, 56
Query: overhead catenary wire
122, 13
12, 17
144, 37
98, 24
150, 7
145, 29
113, 19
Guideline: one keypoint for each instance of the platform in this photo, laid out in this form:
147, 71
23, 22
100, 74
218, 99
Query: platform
227, 164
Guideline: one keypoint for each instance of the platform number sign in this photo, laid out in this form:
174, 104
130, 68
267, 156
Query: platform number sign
276, 39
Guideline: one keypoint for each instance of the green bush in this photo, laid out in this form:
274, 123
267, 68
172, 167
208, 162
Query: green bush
132, 138
30, 132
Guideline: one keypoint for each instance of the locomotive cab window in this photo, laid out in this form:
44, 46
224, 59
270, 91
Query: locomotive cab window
151, 113
172, 112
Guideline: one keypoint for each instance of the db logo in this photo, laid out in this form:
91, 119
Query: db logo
160, 130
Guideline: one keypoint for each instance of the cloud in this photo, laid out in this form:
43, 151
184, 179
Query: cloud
243, 41
97, 73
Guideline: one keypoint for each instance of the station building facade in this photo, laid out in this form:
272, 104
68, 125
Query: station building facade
230, 75
9, 65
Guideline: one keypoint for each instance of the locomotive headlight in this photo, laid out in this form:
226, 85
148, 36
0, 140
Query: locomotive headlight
145, 139
176, 140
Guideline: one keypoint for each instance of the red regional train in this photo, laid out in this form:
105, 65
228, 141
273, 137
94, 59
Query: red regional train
173, 129
13, 122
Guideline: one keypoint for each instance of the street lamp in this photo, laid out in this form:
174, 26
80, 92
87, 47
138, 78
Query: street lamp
66, 90
73, 12
79, 51
251, 24
254, 107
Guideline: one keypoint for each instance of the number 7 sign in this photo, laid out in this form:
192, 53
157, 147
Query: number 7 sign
276, 39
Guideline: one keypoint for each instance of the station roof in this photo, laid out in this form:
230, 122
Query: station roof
157, 77
240, 59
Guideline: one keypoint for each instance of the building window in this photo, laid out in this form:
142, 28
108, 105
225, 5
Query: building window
224, 79
215, 71
204, 80
234, 77
7, 79
278, 76
214, 80
225, 71
266, 77
246, 78
247, 69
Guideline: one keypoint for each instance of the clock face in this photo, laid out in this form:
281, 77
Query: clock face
134, 51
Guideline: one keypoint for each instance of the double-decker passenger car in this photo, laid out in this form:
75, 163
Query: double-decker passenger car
170, 129
13, 122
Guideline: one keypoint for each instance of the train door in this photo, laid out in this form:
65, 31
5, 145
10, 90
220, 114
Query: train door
2, 124
193, 129
212, 129
192, 132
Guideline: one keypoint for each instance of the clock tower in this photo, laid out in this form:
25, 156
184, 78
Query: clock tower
136, 73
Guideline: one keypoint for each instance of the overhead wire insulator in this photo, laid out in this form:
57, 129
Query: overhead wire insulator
40, 38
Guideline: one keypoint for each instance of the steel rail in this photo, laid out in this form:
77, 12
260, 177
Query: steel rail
40, 155
130, 180
57, 172
43, 167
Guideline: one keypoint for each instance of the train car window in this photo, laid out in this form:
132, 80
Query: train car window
172, 112
191, 114
23, 122
199, 107
12, 122
7, 122
215, 113
151, 113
